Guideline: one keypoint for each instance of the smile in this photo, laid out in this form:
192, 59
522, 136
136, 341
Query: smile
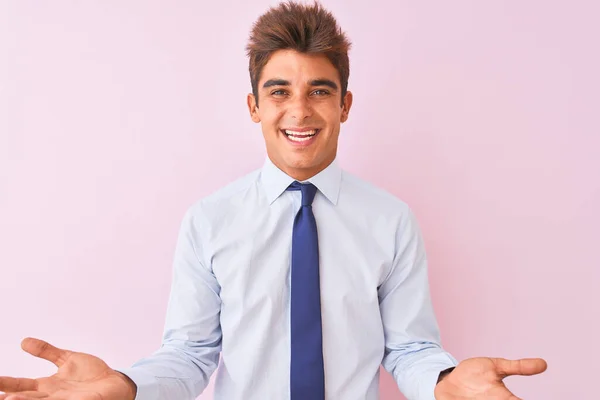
303, 137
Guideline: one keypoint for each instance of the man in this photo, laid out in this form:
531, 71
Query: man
301, 276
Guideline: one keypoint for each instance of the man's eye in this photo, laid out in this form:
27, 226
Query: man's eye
321, 92
278, 92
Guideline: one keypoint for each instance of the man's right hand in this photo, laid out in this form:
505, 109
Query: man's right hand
80, 376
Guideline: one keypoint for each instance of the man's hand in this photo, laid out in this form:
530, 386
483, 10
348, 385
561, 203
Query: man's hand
481, 378
80, 376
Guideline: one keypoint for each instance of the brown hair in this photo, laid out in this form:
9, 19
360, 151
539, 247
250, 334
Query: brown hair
304, 28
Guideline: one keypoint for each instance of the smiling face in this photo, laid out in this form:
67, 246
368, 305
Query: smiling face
300, 110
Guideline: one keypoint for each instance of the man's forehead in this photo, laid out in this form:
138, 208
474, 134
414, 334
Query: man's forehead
298, 68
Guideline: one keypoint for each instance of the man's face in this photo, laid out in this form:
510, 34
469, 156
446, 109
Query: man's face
300, 110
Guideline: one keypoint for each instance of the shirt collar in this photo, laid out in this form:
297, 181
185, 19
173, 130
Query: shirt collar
275, 181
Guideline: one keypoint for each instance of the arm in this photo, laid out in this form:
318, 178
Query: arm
191, 343
413, 354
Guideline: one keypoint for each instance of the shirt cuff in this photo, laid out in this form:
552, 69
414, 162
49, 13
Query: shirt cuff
428, 382
147, 384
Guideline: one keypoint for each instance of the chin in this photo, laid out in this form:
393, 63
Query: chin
300, 162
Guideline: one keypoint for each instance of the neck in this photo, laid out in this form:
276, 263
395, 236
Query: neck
302, 174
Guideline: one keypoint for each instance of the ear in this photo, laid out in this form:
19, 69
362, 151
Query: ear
346, 106
253, 108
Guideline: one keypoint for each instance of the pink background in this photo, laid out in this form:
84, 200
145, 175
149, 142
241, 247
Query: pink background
115, 116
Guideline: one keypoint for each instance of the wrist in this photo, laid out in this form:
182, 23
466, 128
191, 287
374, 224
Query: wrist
132, 393
444, 373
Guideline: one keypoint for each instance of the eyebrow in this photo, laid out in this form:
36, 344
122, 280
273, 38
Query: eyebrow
324, 82
314, 82
276, 82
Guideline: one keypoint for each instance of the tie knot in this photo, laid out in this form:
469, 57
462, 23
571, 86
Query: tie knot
308, 191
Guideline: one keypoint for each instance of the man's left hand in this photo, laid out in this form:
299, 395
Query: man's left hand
481, 378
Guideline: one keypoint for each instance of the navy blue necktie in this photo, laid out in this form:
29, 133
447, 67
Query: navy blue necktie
307, 376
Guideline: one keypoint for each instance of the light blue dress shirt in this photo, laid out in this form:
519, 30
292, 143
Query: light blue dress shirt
230, 294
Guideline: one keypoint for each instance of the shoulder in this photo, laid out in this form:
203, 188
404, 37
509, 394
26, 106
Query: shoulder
369, 196
222, 200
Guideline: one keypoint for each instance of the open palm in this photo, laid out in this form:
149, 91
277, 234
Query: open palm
481, 378
80, 376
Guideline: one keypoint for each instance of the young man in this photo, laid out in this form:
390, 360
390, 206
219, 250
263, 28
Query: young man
302, 277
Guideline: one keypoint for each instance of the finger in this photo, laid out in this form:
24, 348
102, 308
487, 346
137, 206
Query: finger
8, 384
28, 394
512, 396
19, 397
499, 391
45, 350
524, 366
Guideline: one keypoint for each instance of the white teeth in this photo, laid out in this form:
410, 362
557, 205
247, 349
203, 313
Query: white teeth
306, 133
297, 139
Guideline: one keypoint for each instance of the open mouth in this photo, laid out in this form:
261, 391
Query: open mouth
303, 137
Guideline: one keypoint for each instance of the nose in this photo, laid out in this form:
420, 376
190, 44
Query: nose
300, 108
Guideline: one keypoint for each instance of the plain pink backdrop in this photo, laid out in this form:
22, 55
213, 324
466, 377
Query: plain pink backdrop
115, 116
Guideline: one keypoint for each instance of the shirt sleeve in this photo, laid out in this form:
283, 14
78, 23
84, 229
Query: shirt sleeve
191, 343
413, 353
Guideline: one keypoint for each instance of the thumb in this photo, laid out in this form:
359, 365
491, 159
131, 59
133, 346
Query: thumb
524, 366
45, 350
